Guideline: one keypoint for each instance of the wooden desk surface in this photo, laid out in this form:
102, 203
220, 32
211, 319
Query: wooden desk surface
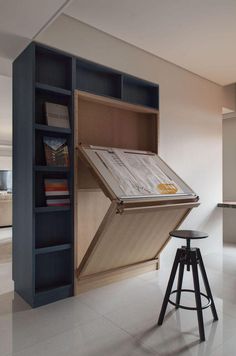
227, 204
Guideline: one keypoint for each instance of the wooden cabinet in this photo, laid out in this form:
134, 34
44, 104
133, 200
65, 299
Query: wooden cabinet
106, 107
119, 236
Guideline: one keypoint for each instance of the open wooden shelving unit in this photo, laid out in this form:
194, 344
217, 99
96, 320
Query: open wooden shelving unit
43, 237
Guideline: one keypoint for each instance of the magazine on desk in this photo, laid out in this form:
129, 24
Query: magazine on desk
136, 174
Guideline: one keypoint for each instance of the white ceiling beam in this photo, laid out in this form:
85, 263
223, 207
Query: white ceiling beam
21, 21
196, 35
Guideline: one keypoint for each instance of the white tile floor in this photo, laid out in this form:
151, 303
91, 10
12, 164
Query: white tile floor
120, 319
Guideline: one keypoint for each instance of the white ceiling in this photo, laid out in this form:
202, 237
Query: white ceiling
20, 22
198, 35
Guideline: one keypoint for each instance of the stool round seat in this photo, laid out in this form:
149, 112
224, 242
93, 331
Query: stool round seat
189, 234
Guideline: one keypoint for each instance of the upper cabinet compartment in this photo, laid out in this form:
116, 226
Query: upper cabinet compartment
53, 69
97, 79
103, 81
53, 73
140, 92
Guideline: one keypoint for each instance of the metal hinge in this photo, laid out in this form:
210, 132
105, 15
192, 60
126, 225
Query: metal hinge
120, 209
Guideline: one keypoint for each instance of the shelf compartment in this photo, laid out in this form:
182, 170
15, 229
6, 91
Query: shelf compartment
40, 151
121, 125
46, 295
40, 176
140, 92
41, 291
97, 79
53, 229
55, 129
53, 270
41, 97
53, 68
50, 249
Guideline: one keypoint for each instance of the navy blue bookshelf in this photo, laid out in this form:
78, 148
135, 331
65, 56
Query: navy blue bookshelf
43, 237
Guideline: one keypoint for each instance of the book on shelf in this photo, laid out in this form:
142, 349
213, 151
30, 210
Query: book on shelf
56, 192
56, 151
58, 202
57, 115
56, 187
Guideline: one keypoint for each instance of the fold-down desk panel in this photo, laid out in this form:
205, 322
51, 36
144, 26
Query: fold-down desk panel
147, 201
132, 175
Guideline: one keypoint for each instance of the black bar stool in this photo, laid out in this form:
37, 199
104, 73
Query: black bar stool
190, 257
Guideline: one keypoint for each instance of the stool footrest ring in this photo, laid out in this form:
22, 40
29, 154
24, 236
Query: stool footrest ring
186, 307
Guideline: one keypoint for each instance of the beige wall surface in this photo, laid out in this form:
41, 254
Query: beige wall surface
5, 162
229, 177
229, 97
190, 116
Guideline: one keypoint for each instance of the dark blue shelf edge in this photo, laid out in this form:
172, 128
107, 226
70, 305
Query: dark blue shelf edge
52, 129
114, 97
52, 89
46, 296
51, 169
51, 209
50, 249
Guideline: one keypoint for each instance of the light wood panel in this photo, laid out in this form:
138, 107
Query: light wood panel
130, 238
115, 103
107, 122
91, 208
104, 125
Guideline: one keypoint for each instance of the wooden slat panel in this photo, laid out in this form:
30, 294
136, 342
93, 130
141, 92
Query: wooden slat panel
131, 238
103, 125
91, 208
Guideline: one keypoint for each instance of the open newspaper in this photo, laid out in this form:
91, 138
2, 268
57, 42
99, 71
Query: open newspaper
138, 173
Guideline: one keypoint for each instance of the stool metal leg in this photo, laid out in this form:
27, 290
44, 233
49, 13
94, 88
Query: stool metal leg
207, 285
187, 250
180, 282
197, 295
169, 287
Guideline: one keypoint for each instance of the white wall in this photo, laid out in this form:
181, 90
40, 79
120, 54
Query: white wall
229, 177
5, 122
5, 162
5, 109
229, 98
190, 116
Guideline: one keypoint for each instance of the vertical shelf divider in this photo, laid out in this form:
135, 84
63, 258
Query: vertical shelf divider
121, 86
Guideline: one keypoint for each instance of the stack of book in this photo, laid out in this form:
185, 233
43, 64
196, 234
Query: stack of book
57, 192
56, 155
